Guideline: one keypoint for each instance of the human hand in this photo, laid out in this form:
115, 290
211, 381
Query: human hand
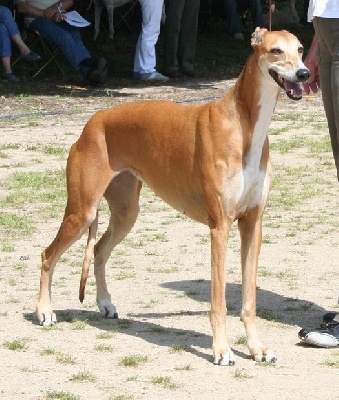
313, 83
311, 62
53, 13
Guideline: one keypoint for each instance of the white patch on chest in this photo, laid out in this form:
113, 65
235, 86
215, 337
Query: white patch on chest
252, 183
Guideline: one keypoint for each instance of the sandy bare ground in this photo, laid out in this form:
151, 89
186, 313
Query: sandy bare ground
159, 276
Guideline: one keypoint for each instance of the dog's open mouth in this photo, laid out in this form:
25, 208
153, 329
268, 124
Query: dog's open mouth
292, 89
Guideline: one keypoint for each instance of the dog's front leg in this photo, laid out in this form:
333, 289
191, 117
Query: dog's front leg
222, 352
250, 227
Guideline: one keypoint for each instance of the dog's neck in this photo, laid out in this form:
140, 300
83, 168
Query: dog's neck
255, 92
256, 96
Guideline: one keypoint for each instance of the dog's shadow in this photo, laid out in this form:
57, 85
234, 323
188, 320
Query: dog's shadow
270, 306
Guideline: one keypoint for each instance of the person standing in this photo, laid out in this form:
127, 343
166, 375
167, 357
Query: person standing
145, 53
181, 28
236, 7
322, 61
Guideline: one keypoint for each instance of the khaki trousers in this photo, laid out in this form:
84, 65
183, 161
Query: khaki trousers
327, 31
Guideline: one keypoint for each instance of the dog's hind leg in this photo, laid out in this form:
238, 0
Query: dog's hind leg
88, 256
122, 196
86, 186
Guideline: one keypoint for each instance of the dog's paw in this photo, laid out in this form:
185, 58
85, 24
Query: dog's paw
226, 359
48, 319
107, 309
269, 357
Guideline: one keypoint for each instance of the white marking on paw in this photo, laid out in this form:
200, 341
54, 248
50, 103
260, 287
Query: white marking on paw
107, 309
226, 359
49, 319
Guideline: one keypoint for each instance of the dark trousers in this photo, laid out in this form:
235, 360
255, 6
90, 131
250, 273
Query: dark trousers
236, 7
181, 28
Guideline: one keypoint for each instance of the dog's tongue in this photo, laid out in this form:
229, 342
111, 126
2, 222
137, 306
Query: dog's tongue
293, 89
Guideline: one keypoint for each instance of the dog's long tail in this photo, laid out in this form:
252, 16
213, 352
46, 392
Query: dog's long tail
92, 231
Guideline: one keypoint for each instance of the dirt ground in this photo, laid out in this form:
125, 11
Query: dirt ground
159, 276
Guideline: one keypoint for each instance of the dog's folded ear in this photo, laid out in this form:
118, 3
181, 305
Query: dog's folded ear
257, 36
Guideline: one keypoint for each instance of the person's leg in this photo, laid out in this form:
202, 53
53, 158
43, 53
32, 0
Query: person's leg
234, 22
5, 54
188, 35
327, 31
66, 37
256, 11
5, 42
174, 17
5, 49
145, 55
6, 18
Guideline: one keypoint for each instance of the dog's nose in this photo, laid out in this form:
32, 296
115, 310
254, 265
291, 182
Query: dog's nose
303, 74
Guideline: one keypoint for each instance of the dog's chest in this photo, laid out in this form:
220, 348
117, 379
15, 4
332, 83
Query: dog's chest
250, 184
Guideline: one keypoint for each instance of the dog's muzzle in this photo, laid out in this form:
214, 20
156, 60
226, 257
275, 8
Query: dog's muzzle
291, 88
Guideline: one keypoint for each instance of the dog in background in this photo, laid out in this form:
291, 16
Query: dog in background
110, 5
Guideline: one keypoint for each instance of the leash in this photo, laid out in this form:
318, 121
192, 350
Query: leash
270, 16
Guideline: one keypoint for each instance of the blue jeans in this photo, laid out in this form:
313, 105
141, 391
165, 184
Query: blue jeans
8, 28
234, 7
145, 56
67, 38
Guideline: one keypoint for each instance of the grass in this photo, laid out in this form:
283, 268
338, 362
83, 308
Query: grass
65, 359
178, 348
133, 360
103, 348
18, 344
241, 374
60, 395
84, 376
165, 381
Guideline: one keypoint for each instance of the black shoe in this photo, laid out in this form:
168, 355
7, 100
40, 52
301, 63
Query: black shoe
95, 76
9, 76
31, 57
101, 64
191, 73
330, 318
175, 75
321, 337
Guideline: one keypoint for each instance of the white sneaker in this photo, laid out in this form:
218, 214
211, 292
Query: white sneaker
154, 76
238, 36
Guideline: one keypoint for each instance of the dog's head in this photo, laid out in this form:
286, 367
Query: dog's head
279, 55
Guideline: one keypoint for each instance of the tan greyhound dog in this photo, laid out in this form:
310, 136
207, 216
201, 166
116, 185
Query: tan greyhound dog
209, 161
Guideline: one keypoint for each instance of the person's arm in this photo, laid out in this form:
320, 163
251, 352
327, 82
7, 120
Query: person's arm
311, 62
52, 12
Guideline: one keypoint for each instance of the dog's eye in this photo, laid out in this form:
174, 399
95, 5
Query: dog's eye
276, 51
300, 50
